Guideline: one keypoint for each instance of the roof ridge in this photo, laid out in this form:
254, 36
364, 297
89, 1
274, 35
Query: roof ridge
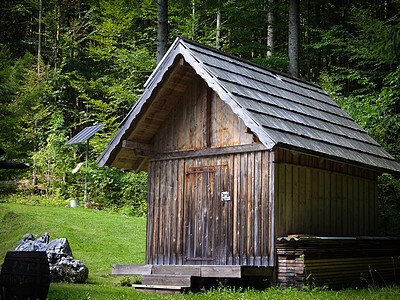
185, 39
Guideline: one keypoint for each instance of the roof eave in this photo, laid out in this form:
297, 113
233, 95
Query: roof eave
375, 168
152, 82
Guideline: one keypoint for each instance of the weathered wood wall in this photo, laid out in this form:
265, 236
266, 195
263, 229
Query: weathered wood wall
203, 149
321, 197
238, 231
201, 120
187, 221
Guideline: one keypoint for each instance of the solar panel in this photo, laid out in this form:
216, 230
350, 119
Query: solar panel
85, 134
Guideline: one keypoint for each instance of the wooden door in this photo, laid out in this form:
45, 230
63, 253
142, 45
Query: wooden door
208, 211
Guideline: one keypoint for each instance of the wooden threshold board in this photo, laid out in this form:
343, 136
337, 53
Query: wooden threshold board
216, 271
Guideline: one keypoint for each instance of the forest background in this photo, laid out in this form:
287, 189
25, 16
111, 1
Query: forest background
69, 64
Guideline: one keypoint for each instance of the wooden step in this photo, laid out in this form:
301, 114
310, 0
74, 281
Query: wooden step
198, 271
176, 270
160, 289
167, 280
131, 269
221, 271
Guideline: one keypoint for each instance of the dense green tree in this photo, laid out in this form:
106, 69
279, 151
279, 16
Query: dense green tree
17, 84
96, 55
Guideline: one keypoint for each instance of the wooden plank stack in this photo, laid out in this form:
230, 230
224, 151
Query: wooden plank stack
338, 262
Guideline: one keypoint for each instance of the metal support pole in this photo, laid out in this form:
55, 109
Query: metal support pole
82, 136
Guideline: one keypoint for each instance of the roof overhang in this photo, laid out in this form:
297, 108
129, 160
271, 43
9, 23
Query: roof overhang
253, 93
130, 147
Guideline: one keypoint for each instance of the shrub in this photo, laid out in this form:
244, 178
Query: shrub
118, 190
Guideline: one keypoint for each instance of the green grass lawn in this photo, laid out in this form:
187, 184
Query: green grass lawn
100, 240
97, 238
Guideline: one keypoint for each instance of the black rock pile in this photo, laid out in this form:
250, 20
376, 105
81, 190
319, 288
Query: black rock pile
62, 265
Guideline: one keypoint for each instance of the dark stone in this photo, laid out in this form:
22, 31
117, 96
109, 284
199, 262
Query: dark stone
25, 238
44, 238
57, 249
28, 243
70, 270
62, 265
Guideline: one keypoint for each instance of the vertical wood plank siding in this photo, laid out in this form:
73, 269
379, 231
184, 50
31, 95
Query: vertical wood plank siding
185, 209
320, 197
241, 225
201, 120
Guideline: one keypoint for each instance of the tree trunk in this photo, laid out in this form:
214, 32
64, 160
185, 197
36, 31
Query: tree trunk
218, 33
39, 53
57, 41
294, 28
271, 30
388, 9
193, 20
162, 28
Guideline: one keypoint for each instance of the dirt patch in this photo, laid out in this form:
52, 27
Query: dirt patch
10, 216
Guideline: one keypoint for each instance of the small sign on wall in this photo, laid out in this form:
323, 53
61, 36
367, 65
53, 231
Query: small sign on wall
225, 196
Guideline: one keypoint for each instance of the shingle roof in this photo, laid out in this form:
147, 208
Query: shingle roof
279, 109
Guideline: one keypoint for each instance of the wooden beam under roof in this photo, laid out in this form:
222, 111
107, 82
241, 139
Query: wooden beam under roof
140, 149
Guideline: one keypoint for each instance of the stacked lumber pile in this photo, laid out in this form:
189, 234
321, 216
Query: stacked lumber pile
338, 262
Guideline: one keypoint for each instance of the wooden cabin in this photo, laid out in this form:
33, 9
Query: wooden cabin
237, 157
